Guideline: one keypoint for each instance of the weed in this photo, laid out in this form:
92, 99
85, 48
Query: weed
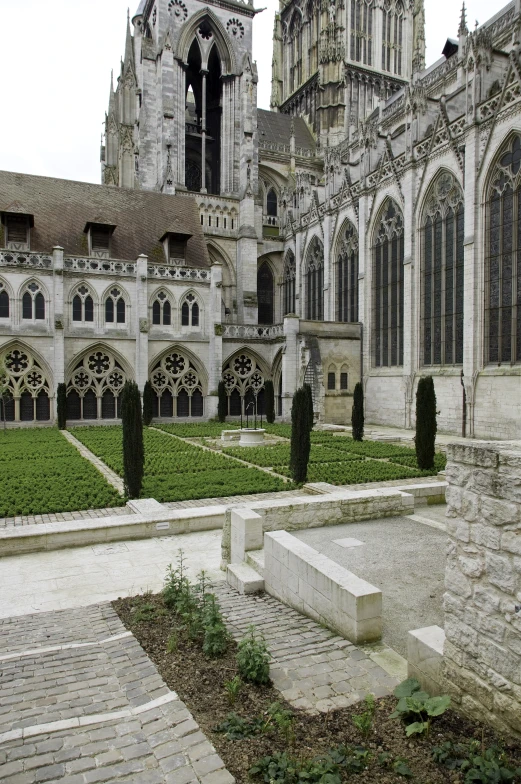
283, 719
354, 759
364, 721
216, 637
401, 767
171, 645
233, 688
236, 728
487, 766
417, 708
253, 658
284, 769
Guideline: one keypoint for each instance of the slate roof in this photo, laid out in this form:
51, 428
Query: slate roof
61, 208
276, 127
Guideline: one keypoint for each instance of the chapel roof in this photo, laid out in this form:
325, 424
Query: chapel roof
276, 127
62, 208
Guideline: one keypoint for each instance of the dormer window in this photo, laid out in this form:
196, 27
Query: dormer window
17, 227
174, 243
99, 237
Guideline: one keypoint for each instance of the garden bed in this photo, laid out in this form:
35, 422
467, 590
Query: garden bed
382, 756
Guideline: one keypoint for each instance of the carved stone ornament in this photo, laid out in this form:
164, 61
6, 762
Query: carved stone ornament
143, 325
218, 329
58, 323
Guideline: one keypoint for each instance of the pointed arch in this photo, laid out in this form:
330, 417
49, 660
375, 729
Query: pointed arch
82, 302
265, 292
35, 300
179, 381
30, 384
188, 34
161, 306
244, 375
346, 273
387, 285
95, 380
314, 279
6, 299
289, 277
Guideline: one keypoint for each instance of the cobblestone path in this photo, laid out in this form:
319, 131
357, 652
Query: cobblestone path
82, 703
312, 667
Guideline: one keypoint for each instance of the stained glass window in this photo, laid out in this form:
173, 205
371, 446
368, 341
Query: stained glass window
290, 272
347, 277
315, 281
388, 288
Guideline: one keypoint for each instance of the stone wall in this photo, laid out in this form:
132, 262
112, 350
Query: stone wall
482, 652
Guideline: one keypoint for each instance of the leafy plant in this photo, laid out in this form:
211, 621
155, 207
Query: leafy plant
176, 583
253, 658
401, 767
216, 636
148, 404
488, 766
269, 401
146, 612
234, 727
222, 404
283, 719
300, 440
281, 768
357, 414
233, 687
133, 449
354, 759
426, 425
171, 643
364, 721
416, 708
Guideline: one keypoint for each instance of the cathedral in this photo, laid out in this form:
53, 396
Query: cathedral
366, 228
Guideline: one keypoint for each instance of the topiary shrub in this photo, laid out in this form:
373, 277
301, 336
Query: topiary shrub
269, 402
426, 425
222, 405
300, 439
148, 404
133, 448
309, 393
357, 414
61, 399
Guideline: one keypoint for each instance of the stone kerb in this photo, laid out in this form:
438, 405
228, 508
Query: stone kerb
316, 586
482, 652
344, 506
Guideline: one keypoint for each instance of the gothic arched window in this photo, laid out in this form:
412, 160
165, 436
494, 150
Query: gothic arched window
271, 203
4, 301
347, 277
265, 294
362, 31
28, 389
290, 274
244, 383
442, 274
162, 310
392, 36
94, 387
503, 259
388, 288
178, 387
33, 303
190, 311
115, 309
315, 281
83, 305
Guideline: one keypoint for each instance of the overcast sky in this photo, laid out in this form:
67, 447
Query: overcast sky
56, 57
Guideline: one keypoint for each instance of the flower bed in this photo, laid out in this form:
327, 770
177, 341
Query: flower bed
43, 473
178, 471
197, 429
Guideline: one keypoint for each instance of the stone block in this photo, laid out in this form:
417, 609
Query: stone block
244, 579
425, 656
246, 533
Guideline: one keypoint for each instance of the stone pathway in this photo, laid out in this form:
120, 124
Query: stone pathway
82, 703
110, 475
313, 668
61, 517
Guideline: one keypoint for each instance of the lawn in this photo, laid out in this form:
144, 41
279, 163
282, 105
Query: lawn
42, 473
176, 470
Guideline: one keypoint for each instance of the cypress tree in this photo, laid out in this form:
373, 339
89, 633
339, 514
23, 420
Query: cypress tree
309, 393
61, 395
133, 449
222, 405
269, 402
300, 440
426, 426
357, 414
148, 404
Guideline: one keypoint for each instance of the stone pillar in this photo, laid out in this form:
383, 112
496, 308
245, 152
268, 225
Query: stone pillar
247, 310
141, 321
472, 324
482, 653
364, 284
328, 270
215, 345
290, 364
58, 321
410, 319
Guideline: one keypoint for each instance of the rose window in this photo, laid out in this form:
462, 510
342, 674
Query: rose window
17, 362
257, 381
81, 380
159, 379
178, 9
190, 380
116, 380
99, 363
235, 28
34, 379
229, 380
175, 364
243, 365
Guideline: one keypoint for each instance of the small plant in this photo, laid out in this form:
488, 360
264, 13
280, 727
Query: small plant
417, 708
364, 721
283, 719
233, 688
171, 644
488, 766
401, 767
253, 658
357, 414
354, 759
281, 768
176, 583
216, 637
146, 612
236, 728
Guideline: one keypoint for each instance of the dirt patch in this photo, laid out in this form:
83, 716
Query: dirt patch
200, 683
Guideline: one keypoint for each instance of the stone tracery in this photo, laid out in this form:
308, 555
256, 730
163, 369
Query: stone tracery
94, 387
28, 398
178, 387
244, 383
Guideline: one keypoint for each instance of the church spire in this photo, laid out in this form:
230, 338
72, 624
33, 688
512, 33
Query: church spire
463, 29
111, 93
129, 45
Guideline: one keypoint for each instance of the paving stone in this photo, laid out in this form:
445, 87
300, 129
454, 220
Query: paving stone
50, 773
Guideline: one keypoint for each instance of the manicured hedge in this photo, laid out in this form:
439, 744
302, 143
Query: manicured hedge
279, 455
198, 429
355, 472
42, 473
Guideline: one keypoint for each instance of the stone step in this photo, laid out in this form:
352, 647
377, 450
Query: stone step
244, 579
255, 559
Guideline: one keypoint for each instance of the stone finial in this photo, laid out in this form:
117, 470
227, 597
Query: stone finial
463, 29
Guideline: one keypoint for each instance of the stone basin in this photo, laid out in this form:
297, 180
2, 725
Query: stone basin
251, 436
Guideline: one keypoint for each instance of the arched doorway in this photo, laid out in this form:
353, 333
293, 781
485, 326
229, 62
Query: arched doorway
265, 293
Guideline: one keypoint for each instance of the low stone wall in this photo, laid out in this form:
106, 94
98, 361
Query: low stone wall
316, 586
482, 652
343, 506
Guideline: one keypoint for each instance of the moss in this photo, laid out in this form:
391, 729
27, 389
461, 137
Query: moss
157, 254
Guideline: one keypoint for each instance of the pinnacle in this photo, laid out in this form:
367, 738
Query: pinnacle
463, 29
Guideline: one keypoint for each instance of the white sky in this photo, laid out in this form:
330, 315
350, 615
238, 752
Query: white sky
56, 57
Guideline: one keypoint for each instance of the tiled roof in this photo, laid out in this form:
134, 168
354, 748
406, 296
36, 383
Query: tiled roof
62, 208
276, 127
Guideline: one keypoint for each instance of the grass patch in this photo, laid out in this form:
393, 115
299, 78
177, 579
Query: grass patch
43, 473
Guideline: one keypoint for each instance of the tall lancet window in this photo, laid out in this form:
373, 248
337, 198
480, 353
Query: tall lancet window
347, 276
288, 286
392, 36
314, 281
388, 288
362, 31
503, 259
442, 274
203, 117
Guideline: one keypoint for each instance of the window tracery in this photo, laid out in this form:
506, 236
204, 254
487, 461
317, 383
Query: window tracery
503, 259
190, 311
388, 288
4, 301
115, 307
244, 383
177, 386
82, 305
362, 12
290, 275
347, 276
162, 310
442, 273
28, 397
33, 303
392, 36
94, 387
315, 281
